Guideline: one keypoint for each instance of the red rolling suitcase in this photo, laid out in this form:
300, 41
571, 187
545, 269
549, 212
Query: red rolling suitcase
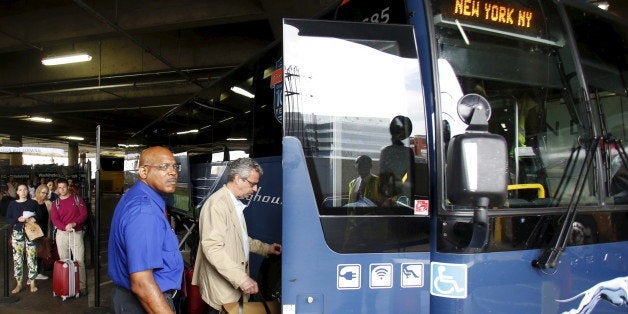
65, 278
194, 304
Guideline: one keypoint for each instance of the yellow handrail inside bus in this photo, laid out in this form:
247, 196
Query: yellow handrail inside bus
538, 186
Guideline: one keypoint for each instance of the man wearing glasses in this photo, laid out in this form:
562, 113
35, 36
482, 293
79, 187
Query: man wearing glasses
144, 263
221, 269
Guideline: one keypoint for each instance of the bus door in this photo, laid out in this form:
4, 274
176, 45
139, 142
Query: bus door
356, 206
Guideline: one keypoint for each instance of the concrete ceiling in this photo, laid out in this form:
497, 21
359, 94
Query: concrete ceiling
148, 56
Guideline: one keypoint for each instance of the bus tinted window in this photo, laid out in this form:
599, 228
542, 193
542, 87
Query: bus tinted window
364, 139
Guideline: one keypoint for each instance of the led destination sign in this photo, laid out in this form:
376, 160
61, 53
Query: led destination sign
513, 16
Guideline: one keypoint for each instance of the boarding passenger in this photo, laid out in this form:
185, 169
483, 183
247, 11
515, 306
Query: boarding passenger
221, 269
68, 214
19, 212
145, 264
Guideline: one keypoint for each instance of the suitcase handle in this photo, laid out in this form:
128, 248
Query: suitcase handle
71, 243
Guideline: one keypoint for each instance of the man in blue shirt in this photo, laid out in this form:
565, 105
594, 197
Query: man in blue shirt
144, 259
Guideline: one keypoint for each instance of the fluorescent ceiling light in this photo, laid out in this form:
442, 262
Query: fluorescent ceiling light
39, 119
129, 145
236, 139
187, 132
242, 92
74, 138
79, 57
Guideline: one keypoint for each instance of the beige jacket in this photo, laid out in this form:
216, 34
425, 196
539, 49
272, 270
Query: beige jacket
221, 266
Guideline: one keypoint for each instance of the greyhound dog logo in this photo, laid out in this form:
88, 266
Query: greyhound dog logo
614, 291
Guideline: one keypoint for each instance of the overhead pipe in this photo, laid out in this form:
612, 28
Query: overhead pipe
28, 43
87, 88
115, 77
91, 109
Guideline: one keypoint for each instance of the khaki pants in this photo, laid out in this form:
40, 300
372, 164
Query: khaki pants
78, 251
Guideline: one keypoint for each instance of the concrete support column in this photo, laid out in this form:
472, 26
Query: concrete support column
73, 153
16, 159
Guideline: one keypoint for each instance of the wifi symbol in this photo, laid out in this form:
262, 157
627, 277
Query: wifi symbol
381, 276
381, 272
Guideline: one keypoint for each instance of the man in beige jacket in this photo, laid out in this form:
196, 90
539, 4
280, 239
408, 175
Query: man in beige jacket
221, 269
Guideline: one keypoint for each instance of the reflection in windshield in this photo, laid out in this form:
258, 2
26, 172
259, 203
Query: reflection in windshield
354, 104
341, 117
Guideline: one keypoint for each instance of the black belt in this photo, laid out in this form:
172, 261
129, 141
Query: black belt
172, 293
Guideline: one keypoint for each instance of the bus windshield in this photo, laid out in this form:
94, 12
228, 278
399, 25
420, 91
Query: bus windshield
517, 55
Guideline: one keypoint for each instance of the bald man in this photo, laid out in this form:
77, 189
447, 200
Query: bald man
144, 263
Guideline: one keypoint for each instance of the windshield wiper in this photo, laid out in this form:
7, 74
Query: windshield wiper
550, 257
537, 235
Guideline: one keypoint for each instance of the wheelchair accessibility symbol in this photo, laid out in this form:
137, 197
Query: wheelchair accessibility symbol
448, 280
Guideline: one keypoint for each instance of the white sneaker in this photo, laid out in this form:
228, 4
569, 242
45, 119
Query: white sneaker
41, 277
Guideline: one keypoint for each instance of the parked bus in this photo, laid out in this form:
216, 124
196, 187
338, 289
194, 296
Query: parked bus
436, 156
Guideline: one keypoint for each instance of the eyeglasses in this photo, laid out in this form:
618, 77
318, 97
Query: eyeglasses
165, 167
253, 184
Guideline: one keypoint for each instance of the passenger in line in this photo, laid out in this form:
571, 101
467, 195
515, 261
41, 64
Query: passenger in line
41, 197
68, 214
145, 264
221, 269
73, 189
10, 189
52, 187
31, 187
19, 212
8, 194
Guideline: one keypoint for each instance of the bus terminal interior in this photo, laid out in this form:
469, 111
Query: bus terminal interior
146, 58
153, 73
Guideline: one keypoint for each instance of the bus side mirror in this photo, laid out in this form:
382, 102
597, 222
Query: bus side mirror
477, 161
477, 173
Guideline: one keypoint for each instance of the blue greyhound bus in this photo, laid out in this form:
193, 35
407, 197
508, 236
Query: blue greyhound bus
435, 156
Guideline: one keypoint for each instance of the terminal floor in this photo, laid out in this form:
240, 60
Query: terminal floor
42, 301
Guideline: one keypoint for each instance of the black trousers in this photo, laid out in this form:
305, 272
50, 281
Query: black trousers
125, 301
